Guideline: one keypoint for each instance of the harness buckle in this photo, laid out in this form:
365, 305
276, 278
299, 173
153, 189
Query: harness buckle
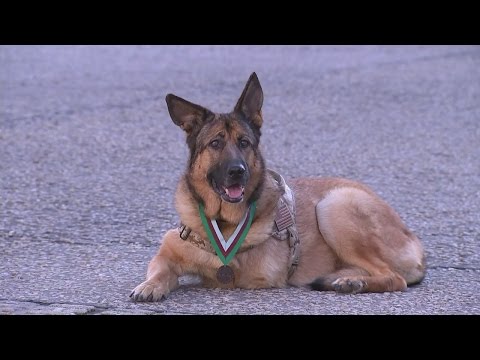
184, 232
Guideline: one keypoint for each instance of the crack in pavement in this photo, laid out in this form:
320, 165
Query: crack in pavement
47, 303
92, 309
452, 267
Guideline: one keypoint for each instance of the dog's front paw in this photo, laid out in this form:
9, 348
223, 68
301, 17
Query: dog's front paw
149, 291
349, 285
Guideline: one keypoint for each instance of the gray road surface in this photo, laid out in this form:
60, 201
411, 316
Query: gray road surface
89, 160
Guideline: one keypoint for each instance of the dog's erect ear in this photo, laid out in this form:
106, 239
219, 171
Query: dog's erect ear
186, 114
251, 101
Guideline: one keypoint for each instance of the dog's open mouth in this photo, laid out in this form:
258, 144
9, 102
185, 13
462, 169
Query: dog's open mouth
232, 193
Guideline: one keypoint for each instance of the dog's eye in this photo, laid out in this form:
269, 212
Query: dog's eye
244, 143
215, 144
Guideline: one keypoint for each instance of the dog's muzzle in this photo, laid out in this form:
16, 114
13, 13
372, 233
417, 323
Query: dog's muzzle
229, 181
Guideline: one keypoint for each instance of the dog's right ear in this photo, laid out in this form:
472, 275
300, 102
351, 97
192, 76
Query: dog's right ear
251, 101
186, 114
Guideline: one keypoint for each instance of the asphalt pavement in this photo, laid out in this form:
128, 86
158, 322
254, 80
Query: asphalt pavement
89, 161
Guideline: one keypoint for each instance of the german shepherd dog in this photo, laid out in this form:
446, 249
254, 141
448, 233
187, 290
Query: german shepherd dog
328, 234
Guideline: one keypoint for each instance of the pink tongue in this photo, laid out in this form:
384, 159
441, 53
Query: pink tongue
234, 191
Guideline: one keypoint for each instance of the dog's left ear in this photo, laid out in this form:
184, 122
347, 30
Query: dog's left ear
251, 101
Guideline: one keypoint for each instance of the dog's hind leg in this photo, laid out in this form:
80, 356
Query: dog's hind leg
352, 281
375, 250
325, 283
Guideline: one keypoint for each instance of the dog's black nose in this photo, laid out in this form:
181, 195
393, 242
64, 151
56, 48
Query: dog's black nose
236, 170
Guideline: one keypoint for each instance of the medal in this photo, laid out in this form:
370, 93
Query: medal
225, 274
226, 249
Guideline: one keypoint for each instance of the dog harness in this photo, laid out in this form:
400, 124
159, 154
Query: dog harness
284, 227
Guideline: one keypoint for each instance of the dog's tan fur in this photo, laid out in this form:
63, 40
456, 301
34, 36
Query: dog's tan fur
350, 239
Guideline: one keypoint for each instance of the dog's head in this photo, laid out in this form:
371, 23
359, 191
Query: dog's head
224, 148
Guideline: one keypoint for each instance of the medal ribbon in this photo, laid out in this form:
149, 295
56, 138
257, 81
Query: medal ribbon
226, 250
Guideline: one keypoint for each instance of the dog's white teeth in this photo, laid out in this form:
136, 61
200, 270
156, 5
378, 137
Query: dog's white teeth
234, 191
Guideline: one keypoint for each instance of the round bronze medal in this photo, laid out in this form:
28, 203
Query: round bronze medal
225, 274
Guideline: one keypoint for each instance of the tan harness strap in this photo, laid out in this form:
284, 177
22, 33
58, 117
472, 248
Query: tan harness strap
286, 228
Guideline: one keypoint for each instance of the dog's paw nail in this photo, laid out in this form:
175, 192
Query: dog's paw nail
150, 297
